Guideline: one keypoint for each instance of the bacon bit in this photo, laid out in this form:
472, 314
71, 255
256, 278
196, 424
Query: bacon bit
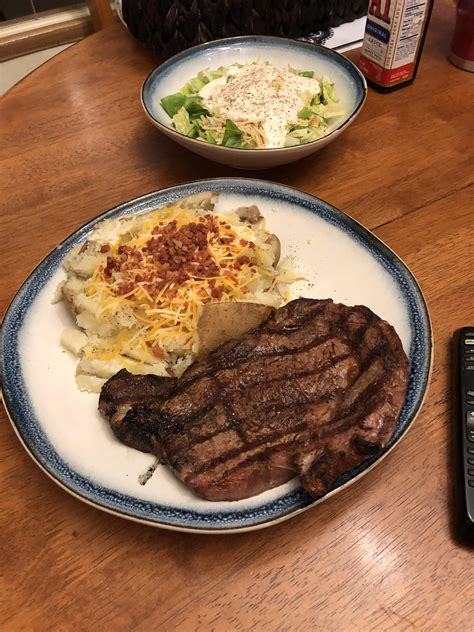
217, 292
157, 351
172, 255
105, 248
243, 260
170, 371
125, 288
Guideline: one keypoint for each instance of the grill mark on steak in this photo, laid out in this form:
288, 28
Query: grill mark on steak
272, 439
271, 428
313, 391
304, 389
255, 426
235, 460
202, 405
311, 359
212, 421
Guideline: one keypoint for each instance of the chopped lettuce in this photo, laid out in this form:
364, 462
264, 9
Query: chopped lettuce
306, 134
307, 97
209, 75
329, 93
307, 73
232, 135
173, 103
305, 113
182, 123
318, 108
291, 141
196, 84
210, 136
193, 105
333, 112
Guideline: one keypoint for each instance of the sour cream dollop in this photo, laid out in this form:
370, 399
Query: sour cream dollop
260, 93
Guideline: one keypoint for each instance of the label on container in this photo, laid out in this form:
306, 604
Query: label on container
392, 35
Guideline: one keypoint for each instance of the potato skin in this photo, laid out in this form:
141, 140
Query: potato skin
220, 322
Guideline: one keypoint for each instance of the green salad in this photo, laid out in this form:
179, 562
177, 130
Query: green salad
255, 105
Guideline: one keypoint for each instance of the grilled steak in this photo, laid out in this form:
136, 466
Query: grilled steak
312, 392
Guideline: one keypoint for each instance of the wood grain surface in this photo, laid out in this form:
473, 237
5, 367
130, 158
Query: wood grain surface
380, 555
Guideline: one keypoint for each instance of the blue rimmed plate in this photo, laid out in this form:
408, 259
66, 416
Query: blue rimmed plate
65, 435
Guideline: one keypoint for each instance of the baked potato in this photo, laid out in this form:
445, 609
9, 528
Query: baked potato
221, 322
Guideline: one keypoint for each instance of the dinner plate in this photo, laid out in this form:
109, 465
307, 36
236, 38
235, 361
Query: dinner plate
62, 430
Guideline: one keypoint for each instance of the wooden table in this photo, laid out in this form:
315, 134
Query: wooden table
378, 556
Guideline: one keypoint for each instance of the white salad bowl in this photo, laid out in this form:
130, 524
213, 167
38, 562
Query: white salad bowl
173, 74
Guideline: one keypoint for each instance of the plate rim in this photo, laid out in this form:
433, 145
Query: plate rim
183, 189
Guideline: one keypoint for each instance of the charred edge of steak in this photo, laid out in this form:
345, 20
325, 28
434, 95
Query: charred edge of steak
128, 401
125, 388
230, 422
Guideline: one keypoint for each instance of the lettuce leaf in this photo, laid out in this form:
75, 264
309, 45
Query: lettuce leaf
196, 84
182, 123
173, 103
195, 109
305, 113
209, 75
291, 141
307, 134
232, 135
210, 136
328, 90
333, 111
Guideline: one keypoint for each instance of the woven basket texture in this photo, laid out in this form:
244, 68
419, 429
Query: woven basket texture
170, 26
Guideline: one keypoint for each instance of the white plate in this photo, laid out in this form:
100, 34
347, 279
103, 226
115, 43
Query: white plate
61, 428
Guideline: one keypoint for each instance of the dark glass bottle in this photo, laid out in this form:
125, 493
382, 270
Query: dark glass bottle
394, 36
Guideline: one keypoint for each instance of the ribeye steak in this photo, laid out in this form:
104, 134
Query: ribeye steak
312, 392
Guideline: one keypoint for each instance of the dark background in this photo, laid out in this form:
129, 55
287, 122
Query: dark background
11, 9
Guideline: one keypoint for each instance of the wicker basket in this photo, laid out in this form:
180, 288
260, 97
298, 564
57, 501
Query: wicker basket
169, 26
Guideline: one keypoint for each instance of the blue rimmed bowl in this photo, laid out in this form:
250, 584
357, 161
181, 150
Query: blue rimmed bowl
62, 430
171, 76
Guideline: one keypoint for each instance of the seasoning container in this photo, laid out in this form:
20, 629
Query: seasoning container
462, 45
394, 37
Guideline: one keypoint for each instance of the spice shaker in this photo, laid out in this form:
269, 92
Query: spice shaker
462, 45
